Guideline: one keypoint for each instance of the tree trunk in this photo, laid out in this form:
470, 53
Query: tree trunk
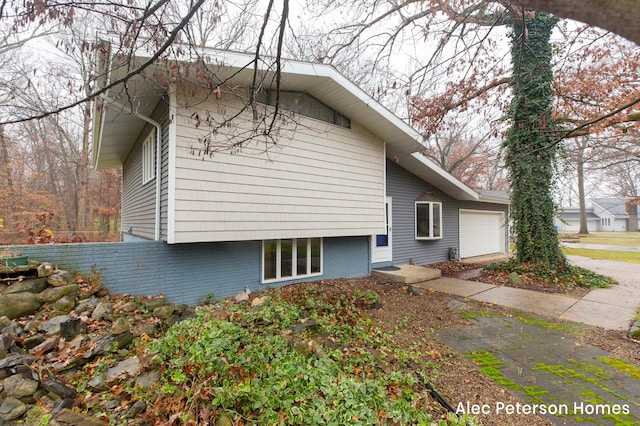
584, 228
82, 189
530, 153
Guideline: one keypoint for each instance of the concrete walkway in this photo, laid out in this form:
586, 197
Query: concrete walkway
612, 308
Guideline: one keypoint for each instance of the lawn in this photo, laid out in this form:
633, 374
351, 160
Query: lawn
626, 239
622, 239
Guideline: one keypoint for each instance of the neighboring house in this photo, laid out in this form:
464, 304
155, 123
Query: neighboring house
344, 190
603, 215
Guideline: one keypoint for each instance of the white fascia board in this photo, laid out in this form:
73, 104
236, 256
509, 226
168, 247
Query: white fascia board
445, 175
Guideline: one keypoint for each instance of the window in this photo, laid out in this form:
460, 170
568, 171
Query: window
149, 158
291, 258
428, 220
304, 104
605, 221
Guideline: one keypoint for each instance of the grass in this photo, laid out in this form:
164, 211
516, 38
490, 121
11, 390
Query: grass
618, 256
625, 239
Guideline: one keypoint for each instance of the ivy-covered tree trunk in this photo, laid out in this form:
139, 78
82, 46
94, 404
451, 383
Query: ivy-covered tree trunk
528, 146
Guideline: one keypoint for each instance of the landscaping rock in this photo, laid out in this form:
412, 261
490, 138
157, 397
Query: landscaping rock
46, 269
155, 302
65, 304
259, 301
127, 367
35, 285
6, 342
71, 328
12, 408
121, 325
13, 360
59, 389
52, 326
19, 386
19, 304
52, 294
515, 279
71, 418
62, 278
163, 312
101, 311
148, 379
137, 408
46, 346
5, 322
243, 296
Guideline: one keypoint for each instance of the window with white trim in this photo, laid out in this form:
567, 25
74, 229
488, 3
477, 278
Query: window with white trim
428, 220
291, 258
149, 158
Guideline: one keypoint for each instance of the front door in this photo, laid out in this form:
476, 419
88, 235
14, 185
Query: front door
381, 250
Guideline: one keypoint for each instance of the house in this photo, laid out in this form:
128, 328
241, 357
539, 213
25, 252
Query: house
603, 215
339, 188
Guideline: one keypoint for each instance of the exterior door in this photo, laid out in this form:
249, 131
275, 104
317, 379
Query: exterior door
382, 242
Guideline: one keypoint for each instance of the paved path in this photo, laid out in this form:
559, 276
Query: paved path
613, 308
575, 383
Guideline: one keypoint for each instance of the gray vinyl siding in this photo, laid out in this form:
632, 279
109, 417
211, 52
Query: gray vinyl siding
138, 200
186, 273
405, 188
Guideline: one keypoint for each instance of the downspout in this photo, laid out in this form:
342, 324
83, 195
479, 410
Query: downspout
158, 127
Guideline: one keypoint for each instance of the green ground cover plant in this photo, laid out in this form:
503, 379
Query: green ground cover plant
306, 356
568, 276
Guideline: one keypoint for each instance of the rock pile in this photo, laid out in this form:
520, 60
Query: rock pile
52, 324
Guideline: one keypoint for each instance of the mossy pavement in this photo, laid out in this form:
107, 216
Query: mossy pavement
574, 383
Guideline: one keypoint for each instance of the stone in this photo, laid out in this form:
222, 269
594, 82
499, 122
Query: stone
52, 294
47, 346
126, 367
137, 408
224, 420
65, 304
101, 311
121, 325
19, 304
66, 417
19, 386
259, 301
52, 326
71, 328
12, 408
59, 388
163, 312
61, 405
458, 306
33, 341
128, 307
148, 379
243, 296
6, 342
155, 302
5, 322
515, 279
34, 285
13, 360
46, 269
62, 278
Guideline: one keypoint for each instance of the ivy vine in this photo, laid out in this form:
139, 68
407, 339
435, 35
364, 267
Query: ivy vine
529, 150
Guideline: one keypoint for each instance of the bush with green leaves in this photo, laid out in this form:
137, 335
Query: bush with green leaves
305, 357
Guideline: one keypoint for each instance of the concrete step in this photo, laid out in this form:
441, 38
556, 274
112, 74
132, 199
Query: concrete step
408, 274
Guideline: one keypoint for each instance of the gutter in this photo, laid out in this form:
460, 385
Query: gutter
129, 110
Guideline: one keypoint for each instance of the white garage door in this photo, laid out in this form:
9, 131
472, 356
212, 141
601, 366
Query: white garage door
481, 232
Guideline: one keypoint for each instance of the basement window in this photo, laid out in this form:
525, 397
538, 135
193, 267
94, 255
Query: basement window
428, 220
304, 104
291, 258
149, 158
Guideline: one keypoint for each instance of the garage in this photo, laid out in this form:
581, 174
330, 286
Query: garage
481, 232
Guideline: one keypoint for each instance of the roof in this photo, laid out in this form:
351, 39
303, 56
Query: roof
115, 129
615, 206
576, 216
